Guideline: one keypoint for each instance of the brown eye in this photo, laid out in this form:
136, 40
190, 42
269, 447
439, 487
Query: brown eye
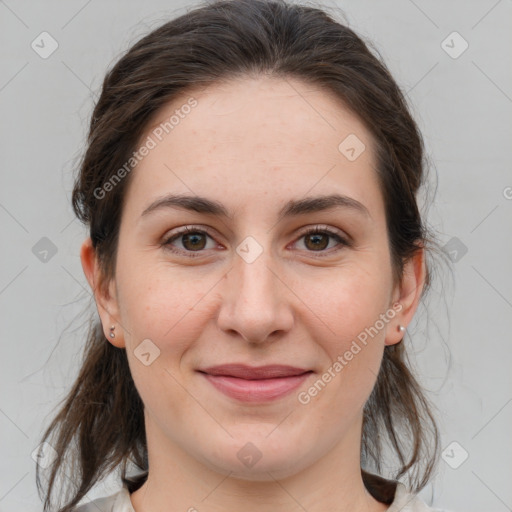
189, 241
317, 241
193, 241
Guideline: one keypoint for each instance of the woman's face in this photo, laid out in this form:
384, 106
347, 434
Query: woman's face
247, 286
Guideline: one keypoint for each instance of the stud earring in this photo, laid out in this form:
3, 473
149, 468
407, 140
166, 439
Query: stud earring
401, 328
112, 334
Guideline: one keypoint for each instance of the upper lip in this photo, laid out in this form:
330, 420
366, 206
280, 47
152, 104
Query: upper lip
243, 371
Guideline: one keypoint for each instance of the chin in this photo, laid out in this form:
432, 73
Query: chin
263, 471
262, 459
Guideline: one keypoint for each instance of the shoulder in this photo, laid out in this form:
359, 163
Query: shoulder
118, 502
405, 501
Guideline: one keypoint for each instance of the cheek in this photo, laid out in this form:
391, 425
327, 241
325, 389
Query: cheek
354, 354
170, 313
352, 307
161, 305
350, 302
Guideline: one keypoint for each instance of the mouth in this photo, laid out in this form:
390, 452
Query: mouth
255, 384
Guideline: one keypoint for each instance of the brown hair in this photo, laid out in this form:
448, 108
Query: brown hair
100, 425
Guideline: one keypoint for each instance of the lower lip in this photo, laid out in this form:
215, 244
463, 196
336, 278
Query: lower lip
262, 390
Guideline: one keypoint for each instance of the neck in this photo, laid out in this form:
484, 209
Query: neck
178, 482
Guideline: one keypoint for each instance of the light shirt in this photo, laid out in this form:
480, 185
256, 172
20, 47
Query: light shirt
120, 502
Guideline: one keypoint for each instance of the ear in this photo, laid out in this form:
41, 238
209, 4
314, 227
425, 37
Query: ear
105, 294
407, 293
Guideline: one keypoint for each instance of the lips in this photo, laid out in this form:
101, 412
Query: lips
255, 384
242, 371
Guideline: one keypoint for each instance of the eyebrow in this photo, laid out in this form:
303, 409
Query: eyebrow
291, 208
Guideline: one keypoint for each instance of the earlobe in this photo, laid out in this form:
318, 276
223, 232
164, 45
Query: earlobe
408, 294
104, 296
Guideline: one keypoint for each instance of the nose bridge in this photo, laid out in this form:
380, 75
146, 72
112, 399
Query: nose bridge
253, 301
255, 282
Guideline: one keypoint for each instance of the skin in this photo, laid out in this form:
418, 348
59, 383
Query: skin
253, 144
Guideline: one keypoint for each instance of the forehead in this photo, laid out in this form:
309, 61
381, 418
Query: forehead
269, 136
262, 108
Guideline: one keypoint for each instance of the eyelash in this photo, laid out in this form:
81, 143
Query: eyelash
194, 254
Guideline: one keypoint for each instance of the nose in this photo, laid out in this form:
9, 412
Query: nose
255, 301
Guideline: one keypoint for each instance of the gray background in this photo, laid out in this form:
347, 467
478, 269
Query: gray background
462, 349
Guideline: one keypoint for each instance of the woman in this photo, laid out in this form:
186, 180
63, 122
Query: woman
256, 254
